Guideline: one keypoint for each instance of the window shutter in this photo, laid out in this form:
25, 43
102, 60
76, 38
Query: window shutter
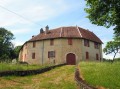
86, 43
33, 55
34, 44
97, 57
52, 42
51, 54
69, 41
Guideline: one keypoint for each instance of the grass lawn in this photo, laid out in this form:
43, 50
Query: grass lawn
8, 67
101, 74
58, 78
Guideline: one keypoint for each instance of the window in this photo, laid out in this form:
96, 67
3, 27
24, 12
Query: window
86, 43
97, 57
96, 45
51, 54
70, 41
52, 42
34, 44
33, 55
25, 56
87, 55
26, 46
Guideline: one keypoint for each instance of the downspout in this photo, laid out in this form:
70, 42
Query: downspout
100, 52
42, 52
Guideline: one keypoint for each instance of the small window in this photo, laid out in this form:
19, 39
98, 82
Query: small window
25, 56
51, 54
52, 42
86, 43
26, 46
33, 55
87, 55
34, 44
97, 57
70, 41
96, 45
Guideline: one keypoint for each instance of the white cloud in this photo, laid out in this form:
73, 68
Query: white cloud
110, 56
34, 11
17, 43
20, 31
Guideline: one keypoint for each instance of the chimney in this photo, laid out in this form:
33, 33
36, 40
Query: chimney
32, 36
41, 30
46, 29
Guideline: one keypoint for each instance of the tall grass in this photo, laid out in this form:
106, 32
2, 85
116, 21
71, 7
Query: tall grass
10, 67
101, 74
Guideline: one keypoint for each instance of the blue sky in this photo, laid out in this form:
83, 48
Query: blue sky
39, 13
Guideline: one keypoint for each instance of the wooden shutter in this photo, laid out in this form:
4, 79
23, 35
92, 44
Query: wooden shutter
33, 55
34, 44
51, 54
97, 57
86, 43
52, 42
69, 41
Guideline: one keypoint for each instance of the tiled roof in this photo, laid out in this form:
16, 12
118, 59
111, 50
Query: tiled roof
66, 32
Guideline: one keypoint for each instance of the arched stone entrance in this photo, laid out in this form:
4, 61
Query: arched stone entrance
71, 59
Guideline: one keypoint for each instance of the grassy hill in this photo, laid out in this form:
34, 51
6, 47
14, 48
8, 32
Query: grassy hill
101, 74
58, 78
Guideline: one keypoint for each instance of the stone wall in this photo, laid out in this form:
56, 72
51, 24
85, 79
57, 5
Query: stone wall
61, 49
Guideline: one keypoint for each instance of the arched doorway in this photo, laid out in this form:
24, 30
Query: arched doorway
71, 59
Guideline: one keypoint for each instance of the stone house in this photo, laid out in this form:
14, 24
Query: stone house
62, 45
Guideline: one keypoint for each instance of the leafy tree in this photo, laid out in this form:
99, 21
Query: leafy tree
104, 13
16, 51
112, 47
6, 45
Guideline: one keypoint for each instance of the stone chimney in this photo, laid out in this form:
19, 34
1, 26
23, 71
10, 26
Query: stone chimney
41, 30
33, 36
46, 29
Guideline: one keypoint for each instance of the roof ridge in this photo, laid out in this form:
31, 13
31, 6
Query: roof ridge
79, 31
61, 32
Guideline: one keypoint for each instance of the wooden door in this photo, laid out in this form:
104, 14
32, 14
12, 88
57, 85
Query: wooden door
71, 59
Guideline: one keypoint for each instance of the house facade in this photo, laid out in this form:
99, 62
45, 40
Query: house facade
62, 45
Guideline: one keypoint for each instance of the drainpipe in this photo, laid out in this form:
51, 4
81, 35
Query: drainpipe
42, 52
100, 52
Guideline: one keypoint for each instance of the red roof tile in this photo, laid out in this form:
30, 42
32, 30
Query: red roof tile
66, 32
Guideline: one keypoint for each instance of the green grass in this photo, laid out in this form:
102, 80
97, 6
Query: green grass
9, 67
101, 74
58, 78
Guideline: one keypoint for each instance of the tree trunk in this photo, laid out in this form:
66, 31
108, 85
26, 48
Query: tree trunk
114, 57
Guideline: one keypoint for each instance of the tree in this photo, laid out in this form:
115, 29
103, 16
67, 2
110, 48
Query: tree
6, 45
104, 13
16, 51
112, 47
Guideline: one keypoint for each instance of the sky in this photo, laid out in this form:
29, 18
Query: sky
24, 18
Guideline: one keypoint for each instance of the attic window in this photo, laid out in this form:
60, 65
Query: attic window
70, 41
86, 43
52, 42
96, 45
34, 44
26, 46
